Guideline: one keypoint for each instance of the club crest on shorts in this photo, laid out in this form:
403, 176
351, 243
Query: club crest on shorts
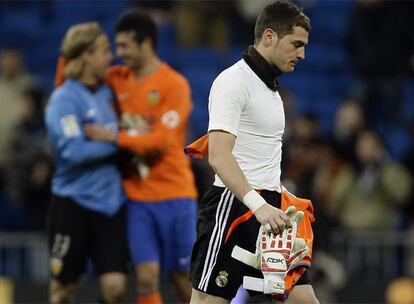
56, 265
221, 279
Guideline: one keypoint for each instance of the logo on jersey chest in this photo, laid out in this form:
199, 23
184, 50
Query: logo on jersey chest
153, 98
123, 96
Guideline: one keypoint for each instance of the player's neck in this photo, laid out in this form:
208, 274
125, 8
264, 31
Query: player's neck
262, 51
149, 67
88, 79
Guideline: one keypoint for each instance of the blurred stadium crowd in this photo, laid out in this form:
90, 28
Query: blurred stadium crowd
349, 139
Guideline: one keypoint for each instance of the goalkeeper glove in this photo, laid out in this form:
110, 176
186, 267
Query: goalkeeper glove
275, 255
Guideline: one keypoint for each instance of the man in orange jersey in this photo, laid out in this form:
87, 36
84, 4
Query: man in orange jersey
154, 103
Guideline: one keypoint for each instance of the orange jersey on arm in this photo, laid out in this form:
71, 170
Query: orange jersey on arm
304, 231
163, 100
60, 71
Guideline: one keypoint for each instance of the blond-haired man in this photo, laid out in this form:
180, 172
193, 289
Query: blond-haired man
86, 218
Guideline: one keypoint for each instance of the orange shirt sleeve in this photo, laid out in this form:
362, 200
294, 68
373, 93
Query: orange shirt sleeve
170, 120
199, 148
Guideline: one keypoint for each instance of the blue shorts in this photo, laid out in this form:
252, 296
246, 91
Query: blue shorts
162, 232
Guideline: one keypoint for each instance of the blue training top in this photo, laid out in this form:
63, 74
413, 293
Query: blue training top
86, 170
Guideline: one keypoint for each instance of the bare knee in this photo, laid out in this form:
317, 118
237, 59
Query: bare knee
182, 284
198, 297
113, 286
61, 293
148, 276
304, 300
302, 294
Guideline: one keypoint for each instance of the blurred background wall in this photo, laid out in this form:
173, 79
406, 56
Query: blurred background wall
349, 142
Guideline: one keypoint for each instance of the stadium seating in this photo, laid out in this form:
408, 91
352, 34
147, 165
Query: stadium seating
320, 82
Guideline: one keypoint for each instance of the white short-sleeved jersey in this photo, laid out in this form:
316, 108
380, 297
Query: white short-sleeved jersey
240, 103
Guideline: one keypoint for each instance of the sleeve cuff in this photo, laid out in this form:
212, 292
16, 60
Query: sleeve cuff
226, 128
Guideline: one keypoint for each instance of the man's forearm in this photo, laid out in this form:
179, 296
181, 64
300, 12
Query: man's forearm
230, 174
234, 179
225, 165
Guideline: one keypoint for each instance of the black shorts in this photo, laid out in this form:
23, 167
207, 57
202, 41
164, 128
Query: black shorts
222, 224
76, 233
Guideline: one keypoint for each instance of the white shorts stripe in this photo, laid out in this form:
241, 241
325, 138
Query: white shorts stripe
220, 212
221, 207
221, 233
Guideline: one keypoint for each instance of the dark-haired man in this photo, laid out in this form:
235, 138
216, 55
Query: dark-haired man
245, 141
155, 103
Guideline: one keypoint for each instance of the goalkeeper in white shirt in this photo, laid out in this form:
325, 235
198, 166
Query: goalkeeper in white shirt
245, 148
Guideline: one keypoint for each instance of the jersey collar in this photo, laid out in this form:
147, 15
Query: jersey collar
264, 70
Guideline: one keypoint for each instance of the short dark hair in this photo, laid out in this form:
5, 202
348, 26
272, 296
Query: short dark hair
281, 17
141, 24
